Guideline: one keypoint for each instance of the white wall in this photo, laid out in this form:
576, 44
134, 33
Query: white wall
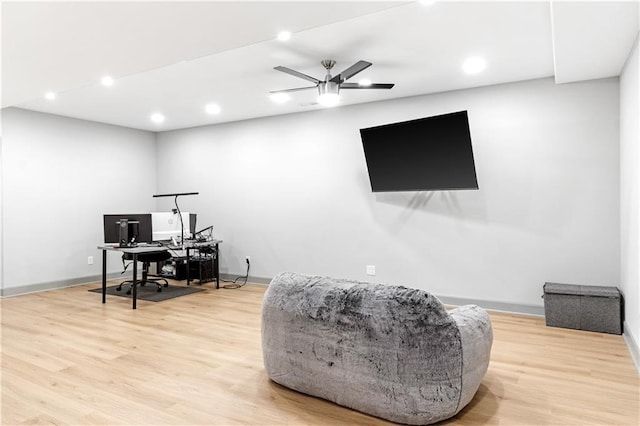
59, 176
293, 193
630, 192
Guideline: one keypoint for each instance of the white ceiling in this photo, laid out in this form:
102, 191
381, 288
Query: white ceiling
176, 57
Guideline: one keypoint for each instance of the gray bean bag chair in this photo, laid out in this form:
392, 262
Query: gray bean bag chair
389, 351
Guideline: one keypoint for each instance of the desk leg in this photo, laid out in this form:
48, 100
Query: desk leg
188, 268
216, 267
104, 276
134, 291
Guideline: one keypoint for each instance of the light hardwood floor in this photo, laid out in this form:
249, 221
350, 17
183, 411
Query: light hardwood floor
196, 360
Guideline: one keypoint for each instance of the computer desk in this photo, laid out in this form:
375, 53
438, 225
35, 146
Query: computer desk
135, 251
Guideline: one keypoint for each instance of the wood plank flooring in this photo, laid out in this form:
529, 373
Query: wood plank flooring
196, 360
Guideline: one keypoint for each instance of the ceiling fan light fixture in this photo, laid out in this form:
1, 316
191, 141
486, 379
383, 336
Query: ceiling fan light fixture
365, 82
328, 93
329, 99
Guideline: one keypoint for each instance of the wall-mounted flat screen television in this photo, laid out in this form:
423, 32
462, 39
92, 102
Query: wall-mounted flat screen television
427, 154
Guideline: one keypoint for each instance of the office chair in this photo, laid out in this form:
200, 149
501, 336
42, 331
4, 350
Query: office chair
146, 259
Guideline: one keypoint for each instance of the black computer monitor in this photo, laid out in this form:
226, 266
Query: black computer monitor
125, 229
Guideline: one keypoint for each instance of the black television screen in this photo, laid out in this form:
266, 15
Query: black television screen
427, 154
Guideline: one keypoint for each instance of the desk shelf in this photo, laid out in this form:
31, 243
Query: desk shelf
201, 268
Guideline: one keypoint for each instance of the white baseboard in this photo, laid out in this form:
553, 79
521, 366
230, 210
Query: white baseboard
634, 349
54, 285
490, 305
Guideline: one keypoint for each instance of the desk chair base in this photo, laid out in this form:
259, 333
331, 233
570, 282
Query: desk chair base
142, 284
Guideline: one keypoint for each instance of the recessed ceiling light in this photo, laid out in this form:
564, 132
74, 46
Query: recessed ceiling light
284, 35
365, 82
107, 81
157, 117
50, 95
212, 109
279, 98
474, 65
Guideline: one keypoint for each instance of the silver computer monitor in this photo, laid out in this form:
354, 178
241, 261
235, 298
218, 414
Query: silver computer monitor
166, 225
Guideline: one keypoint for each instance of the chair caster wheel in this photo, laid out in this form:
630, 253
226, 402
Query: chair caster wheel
166, 285
118, 288
128, 292
159, 289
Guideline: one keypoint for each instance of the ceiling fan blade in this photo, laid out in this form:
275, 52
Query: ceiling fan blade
371, 86
297, 74
351, 71
293, 90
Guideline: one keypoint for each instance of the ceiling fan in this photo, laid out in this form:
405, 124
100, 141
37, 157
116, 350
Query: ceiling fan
329, 88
